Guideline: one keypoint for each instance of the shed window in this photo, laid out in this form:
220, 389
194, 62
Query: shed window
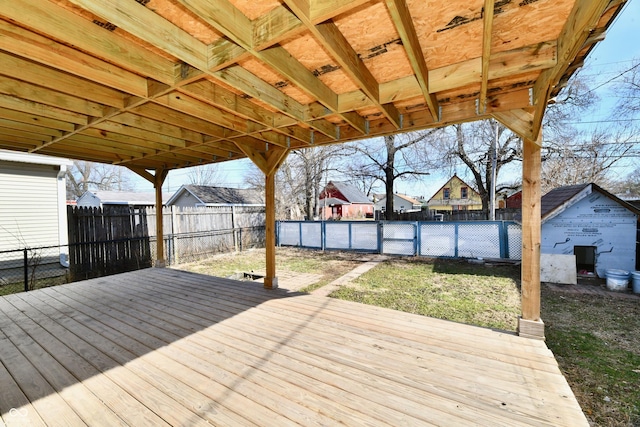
464, 192
446, 193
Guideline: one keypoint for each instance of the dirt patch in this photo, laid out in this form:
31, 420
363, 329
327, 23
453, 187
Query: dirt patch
596, 340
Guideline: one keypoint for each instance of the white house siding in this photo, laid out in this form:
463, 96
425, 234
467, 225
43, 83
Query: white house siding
29, 205
596, 221
399, 204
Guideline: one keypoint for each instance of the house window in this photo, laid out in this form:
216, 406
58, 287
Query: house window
464, 192
446, 193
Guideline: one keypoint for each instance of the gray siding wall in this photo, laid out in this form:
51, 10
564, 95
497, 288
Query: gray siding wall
186, 200
88, 200
596, 221
28, 205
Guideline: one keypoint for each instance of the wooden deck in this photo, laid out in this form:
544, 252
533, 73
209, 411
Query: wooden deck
161, 346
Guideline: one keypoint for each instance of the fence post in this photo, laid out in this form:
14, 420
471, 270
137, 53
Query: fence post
505, 240
233, 227
455, 251
26, 270
175, 230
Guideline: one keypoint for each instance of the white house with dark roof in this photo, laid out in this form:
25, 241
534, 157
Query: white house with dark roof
119, 198
341, 200
204, 195
33, 204
594, 225
401, 203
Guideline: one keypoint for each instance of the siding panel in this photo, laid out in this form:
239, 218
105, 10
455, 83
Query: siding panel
28, 205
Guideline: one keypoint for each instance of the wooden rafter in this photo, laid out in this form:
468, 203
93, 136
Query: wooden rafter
582, 20
487, 32
80, 72
404, 25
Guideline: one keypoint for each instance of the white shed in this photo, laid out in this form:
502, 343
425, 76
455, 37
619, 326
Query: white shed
592, 224
32, 202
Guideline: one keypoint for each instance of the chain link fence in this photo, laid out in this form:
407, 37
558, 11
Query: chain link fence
27, 269
189, 247
470, 239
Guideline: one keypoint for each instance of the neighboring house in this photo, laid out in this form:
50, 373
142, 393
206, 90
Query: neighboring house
119, 198
401, 203
343, 200
455, 195
33, 205
204, 195
592, 224
514, 201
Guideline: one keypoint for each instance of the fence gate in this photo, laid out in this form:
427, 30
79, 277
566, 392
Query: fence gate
399, 238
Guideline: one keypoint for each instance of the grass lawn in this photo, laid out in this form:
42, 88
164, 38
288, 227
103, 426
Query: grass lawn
447, 289
596, 340
330, 265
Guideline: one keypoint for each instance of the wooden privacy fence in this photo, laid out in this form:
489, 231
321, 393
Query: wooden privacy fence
107, 240
112, 240
193, 233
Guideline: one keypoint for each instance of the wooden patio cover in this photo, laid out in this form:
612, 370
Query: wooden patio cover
155, 85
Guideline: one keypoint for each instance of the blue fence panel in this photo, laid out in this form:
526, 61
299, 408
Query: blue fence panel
471, 239
337, 235
364, 236
479, 239
514, 240
438, 239
311, 235
399, 238
355, 236
288, 233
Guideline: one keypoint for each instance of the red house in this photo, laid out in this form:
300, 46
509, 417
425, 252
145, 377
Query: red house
515, 200
341, 200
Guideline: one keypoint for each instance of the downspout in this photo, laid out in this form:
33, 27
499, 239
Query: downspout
63, 236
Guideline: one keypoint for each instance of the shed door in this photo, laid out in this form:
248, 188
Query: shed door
585, 260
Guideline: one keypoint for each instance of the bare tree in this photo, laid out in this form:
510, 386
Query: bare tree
300, 179
589, 160
288, 194
83, 176
387, 159
627, 90
475, 145
629, 186
312, 166
206, 175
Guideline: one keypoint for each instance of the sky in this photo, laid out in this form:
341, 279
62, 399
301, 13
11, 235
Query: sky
606, 61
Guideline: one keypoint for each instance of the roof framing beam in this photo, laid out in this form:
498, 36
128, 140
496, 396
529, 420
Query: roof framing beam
487, 31
404, 25
582, 20
330, 37
241, 32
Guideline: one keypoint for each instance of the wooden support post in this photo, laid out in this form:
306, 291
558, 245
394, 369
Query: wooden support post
270, 281
530, 325
158, 180
269, 161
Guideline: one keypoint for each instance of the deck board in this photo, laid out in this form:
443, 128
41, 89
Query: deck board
162, 346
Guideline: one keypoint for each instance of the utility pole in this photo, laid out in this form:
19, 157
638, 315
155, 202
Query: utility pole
494, 166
